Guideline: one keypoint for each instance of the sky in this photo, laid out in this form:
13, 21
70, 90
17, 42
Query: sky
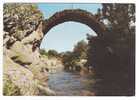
64, 36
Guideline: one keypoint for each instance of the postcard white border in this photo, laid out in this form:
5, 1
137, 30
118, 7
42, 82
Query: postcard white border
68, 97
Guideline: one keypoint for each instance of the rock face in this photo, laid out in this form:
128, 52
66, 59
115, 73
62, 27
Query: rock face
20, 77
24, 70
53, 64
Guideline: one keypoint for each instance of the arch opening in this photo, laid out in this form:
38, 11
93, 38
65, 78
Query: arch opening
64, 36
76, 15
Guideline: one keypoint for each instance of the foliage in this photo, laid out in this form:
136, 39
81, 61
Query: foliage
70, 59
50, 53
80, 49
43, 52
9, 88
53, 53
113, 56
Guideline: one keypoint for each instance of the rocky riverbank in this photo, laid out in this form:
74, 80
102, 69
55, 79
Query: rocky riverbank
53, 64
24, 70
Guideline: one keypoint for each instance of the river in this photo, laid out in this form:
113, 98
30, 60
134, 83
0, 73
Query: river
71, 84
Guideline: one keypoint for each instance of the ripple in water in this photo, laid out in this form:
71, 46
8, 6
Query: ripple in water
70, 84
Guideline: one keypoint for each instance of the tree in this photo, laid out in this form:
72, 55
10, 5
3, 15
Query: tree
113, 56
70, 59
80, 49
53, 53
43, 52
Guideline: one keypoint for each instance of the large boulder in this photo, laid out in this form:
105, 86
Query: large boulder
20, 77
22, 53
36, 35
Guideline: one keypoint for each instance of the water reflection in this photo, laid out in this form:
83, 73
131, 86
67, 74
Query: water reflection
71, 83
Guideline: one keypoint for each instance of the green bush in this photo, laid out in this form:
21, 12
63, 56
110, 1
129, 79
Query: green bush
43, 52
10, 89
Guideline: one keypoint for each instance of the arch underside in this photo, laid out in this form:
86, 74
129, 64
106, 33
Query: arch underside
76, 15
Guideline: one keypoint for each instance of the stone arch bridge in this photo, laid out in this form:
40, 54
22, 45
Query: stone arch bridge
107, 62
76, 15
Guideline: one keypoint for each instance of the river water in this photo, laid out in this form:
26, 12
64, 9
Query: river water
71, 84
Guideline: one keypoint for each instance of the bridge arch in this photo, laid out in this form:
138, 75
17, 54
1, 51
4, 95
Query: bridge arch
76, 15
